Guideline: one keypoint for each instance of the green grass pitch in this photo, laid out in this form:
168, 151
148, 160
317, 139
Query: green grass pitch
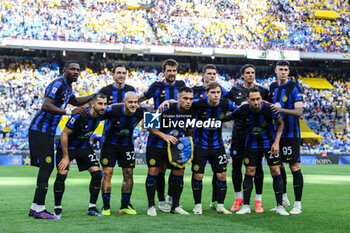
326, 205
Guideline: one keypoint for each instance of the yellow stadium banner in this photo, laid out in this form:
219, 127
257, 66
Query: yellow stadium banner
321, 14
317, 83
307, 133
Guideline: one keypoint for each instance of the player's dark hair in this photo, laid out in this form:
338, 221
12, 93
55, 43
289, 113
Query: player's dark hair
117, 66
282, 63
242, 70
185, 89
212, 85
208, 67
98, 95
70, 62
169, 62
254, 90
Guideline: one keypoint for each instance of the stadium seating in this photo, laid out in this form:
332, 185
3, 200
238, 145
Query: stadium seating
251, 24
22, 86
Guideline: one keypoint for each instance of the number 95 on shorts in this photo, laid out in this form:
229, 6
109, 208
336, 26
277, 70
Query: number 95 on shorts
290, 149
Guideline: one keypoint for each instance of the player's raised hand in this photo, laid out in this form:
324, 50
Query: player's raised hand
80, 110
164, 106
63, 164
170, 139
275, 148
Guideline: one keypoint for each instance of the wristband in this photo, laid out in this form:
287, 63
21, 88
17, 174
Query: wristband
68, 112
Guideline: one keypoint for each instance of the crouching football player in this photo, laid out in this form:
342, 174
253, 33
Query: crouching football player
74, 144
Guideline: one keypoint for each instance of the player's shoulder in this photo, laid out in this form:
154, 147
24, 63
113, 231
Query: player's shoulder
180, 83
106, 88
57, 82
273, 85
198, 88
129, 88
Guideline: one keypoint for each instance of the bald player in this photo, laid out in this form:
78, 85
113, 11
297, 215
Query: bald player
117, 145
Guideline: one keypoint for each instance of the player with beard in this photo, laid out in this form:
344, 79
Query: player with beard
238, 95
159, 92
75, 144
262, 140
157, 150
117, 145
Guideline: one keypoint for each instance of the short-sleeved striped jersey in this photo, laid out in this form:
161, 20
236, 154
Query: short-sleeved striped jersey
61, 93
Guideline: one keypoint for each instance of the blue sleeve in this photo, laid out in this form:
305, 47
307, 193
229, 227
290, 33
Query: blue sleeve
224, 92
150, 92
73, 122
231, 106
297, 93
53, 90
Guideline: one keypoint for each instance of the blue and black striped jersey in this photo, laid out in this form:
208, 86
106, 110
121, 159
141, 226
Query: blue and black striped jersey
238, 95
170, 124
119, 128
83, 127
285, 96
61, 93
210, 136
260, 125
115, 95
199, 92
160, 92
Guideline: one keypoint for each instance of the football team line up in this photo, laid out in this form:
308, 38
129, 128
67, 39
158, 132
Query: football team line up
266, 123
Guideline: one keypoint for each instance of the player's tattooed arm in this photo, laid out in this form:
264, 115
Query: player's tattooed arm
167, 138
64, 143
275, 146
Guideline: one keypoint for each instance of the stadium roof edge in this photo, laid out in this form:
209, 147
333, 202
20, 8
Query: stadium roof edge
170, 50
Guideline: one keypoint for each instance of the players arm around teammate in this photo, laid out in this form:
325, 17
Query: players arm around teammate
262, 140
157, 149
117, 145
75, 144
287, 97
209, 145
42, 130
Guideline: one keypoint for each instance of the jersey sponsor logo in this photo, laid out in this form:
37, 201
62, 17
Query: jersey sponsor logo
48, 159
246, 161
152, 162
151, 120
104, 161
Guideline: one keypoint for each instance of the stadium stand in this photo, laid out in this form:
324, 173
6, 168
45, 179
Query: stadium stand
22, 83
310, 25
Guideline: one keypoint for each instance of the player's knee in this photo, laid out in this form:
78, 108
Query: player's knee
221, 176
61, 177
294, 166
275, 170
107, 173
198, 176
250, 171
96, 175
153, 171
179, 172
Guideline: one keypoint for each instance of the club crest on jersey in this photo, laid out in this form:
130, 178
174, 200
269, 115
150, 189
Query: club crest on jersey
201, 95
163, 92
240, 93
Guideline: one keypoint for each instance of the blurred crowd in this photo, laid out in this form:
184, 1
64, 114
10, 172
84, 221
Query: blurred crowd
249, 24
22, 86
